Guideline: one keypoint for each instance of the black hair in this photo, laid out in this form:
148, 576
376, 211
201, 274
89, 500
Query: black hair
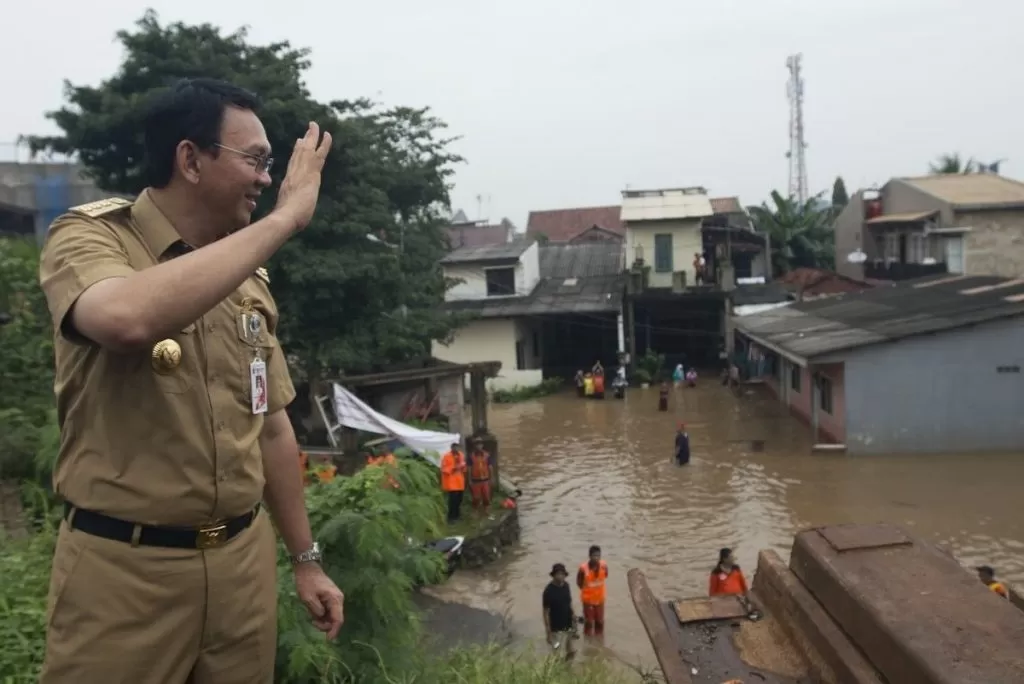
722, 555
594, 549
190, 109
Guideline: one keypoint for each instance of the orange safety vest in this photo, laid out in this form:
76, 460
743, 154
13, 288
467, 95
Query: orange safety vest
998, 588
389, 459
598, 384
593, 593
453, 474
480, 468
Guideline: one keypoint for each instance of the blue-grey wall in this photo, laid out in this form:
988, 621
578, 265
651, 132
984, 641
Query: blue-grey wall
938, 393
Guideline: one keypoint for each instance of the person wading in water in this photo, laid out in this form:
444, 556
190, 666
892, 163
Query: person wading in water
590, 579
682, 446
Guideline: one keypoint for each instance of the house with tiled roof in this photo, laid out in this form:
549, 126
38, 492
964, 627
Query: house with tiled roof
571, 226
970, 224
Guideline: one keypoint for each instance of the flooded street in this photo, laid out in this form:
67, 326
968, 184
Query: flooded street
599, 472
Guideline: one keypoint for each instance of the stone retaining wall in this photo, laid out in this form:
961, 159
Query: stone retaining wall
488, 546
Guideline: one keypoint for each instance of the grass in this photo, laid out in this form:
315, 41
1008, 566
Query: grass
474, 523
516, 394
500, 665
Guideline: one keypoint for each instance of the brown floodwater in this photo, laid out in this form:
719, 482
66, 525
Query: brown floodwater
600, 472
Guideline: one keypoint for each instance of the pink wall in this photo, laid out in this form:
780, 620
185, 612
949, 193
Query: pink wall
832, 427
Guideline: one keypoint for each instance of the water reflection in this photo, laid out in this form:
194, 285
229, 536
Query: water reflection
600, 472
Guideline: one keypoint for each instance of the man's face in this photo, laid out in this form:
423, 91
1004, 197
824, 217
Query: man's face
595, 558
232, 179
985, 576
559, 578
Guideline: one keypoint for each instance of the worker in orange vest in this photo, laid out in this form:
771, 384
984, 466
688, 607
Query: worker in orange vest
383, 458
591, 580
480, 475
726, 578
453, 480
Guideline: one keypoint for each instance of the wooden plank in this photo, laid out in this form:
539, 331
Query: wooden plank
708, 608
665, 649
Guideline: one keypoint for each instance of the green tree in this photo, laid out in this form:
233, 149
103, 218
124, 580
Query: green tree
801, 234
347, 303
839, 196
953, 164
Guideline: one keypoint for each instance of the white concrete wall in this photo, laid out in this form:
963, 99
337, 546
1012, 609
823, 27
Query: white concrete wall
759, 266
528, 271
494, 339
686, 241
527, 275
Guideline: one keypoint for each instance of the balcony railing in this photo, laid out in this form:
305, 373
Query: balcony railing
898, 271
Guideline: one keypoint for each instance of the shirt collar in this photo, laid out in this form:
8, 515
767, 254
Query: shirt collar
155, 228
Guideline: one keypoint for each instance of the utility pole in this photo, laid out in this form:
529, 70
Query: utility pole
797, 145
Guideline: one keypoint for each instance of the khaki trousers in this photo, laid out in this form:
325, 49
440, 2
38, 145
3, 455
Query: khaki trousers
120, 614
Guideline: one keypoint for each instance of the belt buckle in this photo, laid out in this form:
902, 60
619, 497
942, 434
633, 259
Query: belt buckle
212, 536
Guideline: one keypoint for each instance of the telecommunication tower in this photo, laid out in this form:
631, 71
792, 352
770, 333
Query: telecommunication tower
796, 156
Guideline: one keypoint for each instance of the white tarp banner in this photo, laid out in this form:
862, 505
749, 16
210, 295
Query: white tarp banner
353, 413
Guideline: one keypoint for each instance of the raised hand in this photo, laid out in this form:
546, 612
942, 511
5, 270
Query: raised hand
301, 187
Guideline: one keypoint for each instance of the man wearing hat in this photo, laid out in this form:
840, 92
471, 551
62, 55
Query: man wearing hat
559, 617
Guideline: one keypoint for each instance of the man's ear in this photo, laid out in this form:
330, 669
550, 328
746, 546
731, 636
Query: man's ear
188, 161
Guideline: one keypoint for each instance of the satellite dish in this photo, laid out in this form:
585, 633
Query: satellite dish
857, 256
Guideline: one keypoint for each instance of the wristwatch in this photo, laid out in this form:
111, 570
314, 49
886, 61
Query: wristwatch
310, 555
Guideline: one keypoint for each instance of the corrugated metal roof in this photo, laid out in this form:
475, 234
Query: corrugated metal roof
511, 250
582, 260
975, 190
602, 294
665, 205
904, 217
928, 305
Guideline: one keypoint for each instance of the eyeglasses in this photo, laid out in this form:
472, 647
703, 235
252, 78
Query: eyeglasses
263, 163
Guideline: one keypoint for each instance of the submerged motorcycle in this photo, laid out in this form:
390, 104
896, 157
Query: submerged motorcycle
450, 548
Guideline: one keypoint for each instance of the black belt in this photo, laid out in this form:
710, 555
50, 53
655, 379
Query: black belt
206, 537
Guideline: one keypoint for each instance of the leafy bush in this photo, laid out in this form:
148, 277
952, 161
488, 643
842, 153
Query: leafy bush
24, 581
511, 396
26, 358
653, 364
642, 376
372, 537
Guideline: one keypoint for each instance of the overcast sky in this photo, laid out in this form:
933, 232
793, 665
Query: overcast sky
566, 102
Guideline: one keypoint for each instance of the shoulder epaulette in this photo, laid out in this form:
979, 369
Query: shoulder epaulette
101, 207
262, 274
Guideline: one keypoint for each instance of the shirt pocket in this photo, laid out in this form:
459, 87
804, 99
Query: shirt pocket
253, 340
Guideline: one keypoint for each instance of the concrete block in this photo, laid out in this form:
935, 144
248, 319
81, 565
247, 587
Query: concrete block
909, 607
830, 654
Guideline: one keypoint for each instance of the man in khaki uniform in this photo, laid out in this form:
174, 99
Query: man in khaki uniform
171, 392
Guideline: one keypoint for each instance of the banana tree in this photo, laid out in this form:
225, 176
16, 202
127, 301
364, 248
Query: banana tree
799, 234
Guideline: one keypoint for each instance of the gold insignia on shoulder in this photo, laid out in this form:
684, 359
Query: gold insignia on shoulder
101, 207
262, 274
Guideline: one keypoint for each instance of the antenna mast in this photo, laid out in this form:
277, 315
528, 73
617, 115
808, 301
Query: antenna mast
796, 156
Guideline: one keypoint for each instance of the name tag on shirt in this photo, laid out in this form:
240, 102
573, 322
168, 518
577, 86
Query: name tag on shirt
258, 386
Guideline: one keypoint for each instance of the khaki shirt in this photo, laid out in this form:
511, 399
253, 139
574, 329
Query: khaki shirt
178, 448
